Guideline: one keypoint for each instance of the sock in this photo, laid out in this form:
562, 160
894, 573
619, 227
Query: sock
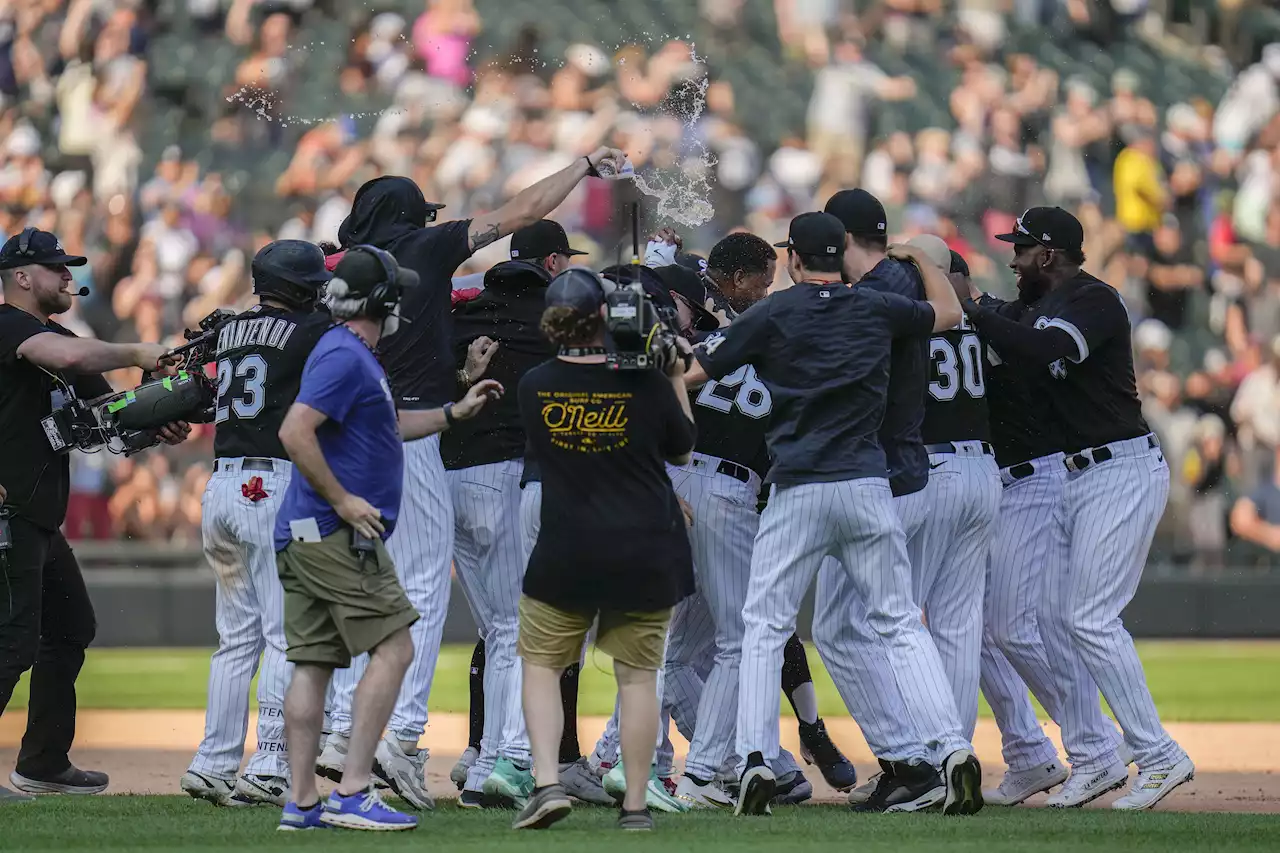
797, 682
570, 751
477, 697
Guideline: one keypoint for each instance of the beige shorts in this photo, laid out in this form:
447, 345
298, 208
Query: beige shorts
553, 638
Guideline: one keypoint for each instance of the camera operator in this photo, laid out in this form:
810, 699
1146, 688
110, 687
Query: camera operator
46, 618
341, 593
612, 540
260, 356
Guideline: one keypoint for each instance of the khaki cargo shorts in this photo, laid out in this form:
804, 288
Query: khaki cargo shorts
553, 638
337, 606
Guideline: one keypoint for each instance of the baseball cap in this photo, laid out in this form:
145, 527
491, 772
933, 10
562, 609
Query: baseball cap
934, 248
688, 285
650, 282
959, 264
815, 234
34, 246
1051, 227
578, 288
861, 213
539, 240
692, 261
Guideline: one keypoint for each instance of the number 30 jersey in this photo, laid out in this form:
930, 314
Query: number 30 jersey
956, 399
260, 356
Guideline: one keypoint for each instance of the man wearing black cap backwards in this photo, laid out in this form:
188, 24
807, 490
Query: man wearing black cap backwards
822, 350
46, 618
1071, 333
391, 213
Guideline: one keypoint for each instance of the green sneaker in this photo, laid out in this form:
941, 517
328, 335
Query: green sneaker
658, 798
510, 781
615, 782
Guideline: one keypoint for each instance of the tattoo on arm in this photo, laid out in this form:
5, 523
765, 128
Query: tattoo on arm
480, 239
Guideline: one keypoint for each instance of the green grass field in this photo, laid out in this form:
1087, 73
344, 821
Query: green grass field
1191, 681
176, 824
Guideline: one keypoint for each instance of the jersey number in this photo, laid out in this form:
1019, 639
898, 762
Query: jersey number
952, 372
253, 370
751, 397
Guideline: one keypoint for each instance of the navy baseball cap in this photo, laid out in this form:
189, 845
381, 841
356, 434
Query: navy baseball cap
959, 264
34, 246
540, 240
653, 285
1051, 227
815, 234
861, 213
578, 288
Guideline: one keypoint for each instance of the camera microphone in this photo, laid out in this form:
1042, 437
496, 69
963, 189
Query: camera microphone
83, 291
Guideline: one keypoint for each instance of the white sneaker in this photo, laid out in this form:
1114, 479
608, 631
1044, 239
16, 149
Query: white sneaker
458, 775
708, 796
1155, 784
406, 774
220, 792
1017, 787
1084, 788
333, 758
863, 792
262, 790
580, 783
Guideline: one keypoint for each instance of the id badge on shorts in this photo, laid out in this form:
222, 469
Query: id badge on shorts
304, 530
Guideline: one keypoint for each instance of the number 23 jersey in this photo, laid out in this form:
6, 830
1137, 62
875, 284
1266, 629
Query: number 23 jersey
956, 398
260, 356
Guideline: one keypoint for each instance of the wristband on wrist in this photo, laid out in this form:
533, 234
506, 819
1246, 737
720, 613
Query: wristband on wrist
591, 169
464, 378
449, 419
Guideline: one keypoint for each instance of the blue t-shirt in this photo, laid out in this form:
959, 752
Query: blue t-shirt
360, 440
822, 351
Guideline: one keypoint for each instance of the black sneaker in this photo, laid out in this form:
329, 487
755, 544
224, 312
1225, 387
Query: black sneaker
70, 781
548, 805
757, 785
905, 788
640, 821
816, 747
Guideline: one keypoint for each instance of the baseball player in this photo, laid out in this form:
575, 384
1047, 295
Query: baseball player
391, 213
1075, 330
260, 357
822, 351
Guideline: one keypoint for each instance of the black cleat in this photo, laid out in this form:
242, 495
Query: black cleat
816, 747
905, 788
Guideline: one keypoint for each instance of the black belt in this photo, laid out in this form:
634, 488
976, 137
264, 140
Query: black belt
1077, 462
1022, 470
249, 463
948, 447
734, 470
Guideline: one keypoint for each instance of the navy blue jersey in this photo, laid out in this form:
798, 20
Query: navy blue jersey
956, 408
908, 379
822, 352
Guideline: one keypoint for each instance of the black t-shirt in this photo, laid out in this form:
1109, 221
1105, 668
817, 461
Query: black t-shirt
509, 311
823, 352
908, 378
1169, 306
613, 536
956, 405
419, 357
260, 357
36, 478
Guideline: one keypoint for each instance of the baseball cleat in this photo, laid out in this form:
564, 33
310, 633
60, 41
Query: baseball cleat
220, 792
863, 792
458, 775
258, 790
509, 781
365, 810
816, 747
1082, 788
295, 818
404, 773
1018, 786
1155, 784
757, 786
963, 775
702, 795
580, 783
546, 806
792, 789
73, 780
904, 787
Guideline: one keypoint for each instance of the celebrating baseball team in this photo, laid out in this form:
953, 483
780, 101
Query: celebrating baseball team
969, 480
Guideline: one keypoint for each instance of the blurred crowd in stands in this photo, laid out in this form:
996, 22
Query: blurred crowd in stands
168, 140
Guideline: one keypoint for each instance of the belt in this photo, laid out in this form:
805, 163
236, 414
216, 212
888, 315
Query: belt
949, 447
729, 469
249, 463
1021, 471
1077, 462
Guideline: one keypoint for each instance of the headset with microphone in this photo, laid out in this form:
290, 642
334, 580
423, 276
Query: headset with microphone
25, 250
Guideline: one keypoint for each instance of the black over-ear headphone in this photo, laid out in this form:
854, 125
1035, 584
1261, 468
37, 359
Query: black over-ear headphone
24, 241
385, 295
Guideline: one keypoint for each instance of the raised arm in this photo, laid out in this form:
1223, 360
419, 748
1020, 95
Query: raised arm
537, 201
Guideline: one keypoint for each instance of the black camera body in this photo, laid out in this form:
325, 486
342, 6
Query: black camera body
133, 419
642, 333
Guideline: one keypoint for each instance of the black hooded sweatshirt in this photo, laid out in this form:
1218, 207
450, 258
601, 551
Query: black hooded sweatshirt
391, 213
508, 310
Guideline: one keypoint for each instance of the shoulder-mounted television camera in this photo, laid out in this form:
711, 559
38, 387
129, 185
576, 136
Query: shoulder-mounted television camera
130, 421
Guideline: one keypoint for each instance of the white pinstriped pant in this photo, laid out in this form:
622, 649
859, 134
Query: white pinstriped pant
490, 559
854, 521
1027, 542
239, 544
1109, 513
422, 549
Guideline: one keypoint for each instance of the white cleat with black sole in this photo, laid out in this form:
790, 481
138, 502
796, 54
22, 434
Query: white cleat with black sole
1020, 785
1084, 788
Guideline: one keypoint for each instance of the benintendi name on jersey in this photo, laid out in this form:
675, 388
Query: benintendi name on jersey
265, 331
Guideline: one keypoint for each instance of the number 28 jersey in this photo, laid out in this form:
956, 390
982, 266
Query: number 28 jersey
260, 357
956, 398
732, 415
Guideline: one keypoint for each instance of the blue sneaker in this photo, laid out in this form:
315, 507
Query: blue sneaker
295, 818
365, 810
